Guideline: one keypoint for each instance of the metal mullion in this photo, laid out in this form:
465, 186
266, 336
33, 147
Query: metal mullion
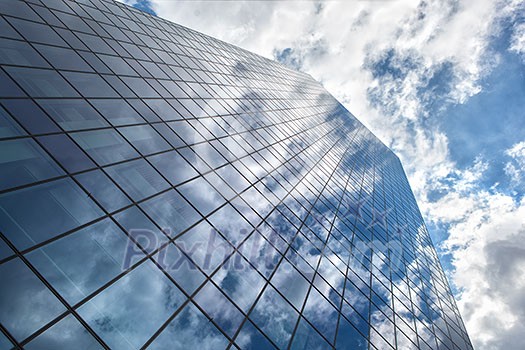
148, 255
283, 257
416, 328
210, 276
351, 240
65, 304
316, 269
276, 267
9, 336
134, 203
349, 254
374, 189
412, 291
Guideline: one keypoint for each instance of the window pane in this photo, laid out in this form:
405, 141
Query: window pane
186, 132
95, 43
117, 112
291, 284
90, 85
24, 295
66, 152
118, 313
138, 179
24, 161
180, 267
66, 334
117, 65
30, 116
105, 146
20, 53
97, 257
169, 135
94, 62
175, 168
71, 21
230, 223
321, 314
5, 343
5, 251
275, 317
18, 9
190, 330
140, 87
142, 229
7, 30
119, 86
37, 213
170, 211
204, 246
218, 307
163, 109
144, 110
73, 114
250, 338
8, 88
62, 58
348, 337
307, 338
37, 32
47, 16
239, 281
103, 190
42, 82
145, 139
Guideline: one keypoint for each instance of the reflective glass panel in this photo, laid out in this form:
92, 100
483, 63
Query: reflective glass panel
66, 152
73, 114
189, 330
99, 256
66, 334
105, 146
8, 126
36, 32
24, 295
24, 161
98, 185
42, 82
90, 85
145, 139
118, 313
20, 53
62, 58
171, 212
117, 112
30, 116
37, 213
137, 178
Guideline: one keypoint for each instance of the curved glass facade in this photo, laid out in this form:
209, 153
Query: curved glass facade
162, 189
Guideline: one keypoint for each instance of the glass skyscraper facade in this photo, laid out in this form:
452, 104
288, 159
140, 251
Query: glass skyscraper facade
162, 189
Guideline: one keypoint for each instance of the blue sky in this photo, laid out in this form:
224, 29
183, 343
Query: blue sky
443, 84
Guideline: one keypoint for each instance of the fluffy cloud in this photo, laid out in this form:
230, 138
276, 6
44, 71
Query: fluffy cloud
489, 260
398, 51
396, 65
515, 168
518, 40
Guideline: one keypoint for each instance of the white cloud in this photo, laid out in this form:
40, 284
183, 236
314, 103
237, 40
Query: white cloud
518, 40
515, 168
340, 43
489, 260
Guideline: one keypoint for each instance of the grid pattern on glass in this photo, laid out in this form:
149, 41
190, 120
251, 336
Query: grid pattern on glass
150, 172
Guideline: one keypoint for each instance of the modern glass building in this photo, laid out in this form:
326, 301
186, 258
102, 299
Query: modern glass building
162, 189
